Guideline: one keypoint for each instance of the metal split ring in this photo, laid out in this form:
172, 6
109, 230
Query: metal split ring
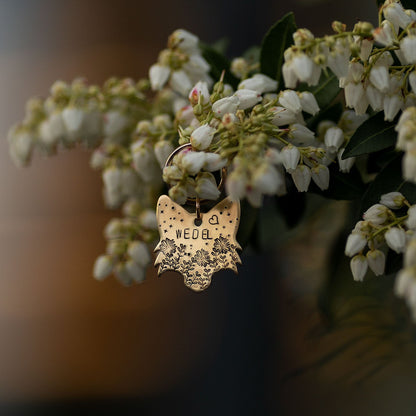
197, 201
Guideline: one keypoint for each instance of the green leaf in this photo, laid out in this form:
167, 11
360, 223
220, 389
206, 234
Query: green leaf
342, 186
326, 91
390, 179
218, 63
373, 135
275, 42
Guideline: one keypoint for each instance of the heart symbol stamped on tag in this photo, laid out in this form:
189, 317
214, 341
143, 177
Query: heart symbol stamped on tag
214, 220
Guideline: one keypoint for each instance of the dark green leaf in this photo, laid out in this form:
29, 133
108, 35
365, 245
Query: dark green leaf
276, 41
218, 63
379, 3
342, 186
326, 91
373, 135
390, 179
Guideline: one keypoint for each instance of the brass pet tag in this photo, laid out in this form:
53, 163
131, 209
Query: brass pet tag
197, 244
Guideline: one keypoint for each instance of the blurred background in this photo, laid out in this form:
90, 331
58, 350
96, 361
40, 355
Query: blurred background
256, 344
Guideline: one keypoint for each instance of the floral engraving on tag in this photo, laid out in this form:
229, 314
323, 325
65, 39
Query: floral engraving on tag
197, 251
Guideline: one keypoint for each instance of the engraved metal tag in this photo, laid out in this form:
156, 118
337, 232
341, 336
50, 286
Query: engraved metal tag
197, 249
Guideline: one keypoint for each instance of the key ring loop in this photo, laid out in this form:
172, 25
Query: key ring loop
196, 200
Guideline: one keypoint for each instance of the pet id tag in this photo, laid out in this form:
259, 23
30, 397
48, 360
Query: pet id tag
197, 244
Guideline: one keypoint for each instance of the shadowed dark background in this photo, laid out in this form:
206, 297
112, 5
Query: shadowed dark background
70, 344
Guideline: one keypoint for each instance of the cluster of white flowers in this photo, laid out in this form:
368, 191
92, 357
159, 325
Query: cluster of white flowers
365, 71
259, 135
127, 254
181, 64
381, 227
77, 113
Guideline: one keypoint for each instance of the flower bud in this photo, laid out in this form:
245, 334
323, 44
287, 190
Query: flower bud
52, 130
180, 82
404, 279
289, 76
236, 185
380, 78
178, 193
375, 98
239, 67
103, 267
303, 66
376, 214
267, 179
396, 239
411, 220
393, 200
135, 271
201, 137
334, 137
148, 219
301, 135
290, 100
247, 98
409, 165
377, 261
260, 83
407, 46
320, 175
98, 159
193, 162
308, 103
391, 106
139, 252
162, 150
412, 81
144, 161
395, 14
214, 162
123, 274
355, 243
199, 93
290, 157
384, 34
282, 116
359, 266
410, 254
112, 178
158, 75
72, 118
20, 146
206, 186
226, 105
184, 40
115, 122
301, 177
345, 165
